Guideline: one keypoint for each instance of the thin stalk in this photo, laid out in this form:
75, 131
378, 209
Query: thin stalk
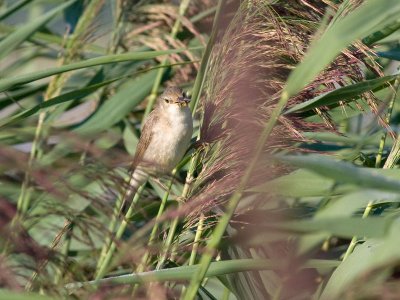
382, 142
168, 243
26, 190
118, 27
196, 242
111, 228
153, 233
42, 263
156, 225
394, 155
157, 82
197, 237
64, 252
387, 121
106, 261
175, 222
233, 202
353, 242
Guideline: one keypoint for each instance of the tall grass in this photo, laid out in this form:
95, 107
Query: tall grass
289, 191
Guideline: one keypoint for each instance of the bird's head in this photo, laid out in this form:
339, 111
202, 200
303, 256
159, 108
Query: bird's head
174, 96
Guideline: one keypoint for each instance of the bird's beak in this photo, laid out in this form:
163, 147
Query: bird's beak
183, 101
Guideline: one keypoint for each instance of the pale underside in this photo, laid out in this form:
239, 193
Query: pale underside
164, 140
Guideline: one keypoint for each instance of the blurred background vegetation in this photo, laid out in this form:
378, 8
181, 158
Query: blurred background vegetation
290, 189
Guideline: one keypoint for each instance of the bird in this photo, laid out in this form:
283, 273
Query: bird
165, 137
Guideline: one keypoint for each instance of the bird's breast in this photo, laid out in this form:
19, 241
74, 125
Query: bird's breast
170, 140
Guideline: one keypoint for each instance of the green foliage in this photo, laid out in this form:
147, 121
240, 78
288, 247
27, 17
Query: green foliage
13, 40
345, 94
7, 295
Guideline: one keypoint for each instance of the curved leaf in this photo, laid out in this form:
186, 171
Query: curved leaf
346, 93
186, 272
342, 171
8, 83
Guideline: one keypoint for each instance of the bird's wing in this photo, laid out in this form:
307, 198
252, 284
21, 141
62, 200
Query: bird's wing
145, 138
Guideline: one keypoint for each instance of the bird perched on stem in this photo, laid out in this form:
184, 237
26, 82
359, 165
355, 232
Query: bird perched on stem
165, 137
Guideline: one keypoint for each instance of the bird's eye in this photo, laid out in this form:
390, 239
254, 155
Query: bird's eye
166, 100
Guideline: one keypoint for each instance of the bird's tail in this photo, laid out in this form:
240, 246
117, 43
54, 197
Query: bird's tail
139, 177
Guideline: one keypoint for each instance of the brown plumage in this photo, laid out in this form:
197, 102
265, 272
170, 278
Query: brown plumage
165, 137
